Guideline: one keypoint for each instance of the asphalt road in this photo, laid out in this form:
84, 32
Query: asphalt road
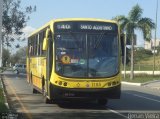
136, 103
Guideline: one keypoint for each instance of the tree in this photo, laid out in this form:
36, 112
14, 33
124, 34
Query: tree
133, 22
19, 56
6, 57
14, 20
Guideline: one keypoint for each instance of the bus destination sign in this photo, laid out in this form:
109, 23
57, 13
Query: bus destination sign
96, 27
82, 26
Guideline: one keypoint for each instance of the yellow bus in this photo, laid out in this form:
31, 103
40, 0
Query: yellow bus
75, 58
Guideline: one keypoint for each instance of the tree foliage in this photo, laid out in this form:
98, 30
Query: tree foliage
19, 56
135, 21
132, 22
14, 20
6, 57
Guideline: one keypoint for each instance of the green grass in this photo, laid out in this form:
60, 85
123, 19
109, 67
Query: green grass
2, 69
141, 78
3, 107
145, 63
143, 67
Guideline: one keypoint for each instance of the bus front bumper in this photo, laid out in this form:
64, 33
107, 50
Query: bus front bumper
57, 92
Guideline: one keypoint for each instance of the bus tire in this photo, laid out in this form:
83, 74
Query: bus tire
35, 91
43, 87
103, 102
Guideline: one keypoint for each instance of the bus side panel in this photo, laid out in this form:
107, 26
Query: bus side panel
37, 70
27, 69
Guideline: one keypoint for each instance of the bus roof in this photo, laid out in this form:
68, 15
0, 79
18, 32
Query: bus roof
84, 19
70, 19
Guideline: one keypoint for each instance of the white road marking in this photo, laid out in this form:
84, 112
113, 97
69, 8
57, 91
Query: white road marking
117, 113
136, 96
144, 97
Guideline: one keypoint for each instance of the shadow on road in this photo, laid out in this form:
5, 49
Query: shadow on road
12, 75
80, 105
136, 101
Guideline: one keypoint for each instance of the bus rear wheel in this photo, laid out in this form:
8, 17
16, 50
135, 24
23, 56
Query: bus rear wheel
34, 91
102, 102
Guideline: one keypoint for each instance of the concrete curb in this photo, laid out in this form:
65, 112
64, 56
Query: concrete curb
140, 84
5, 97
129, 83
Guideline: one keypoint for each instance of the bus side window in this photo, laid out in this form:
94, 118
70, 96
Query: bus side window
35, 45
30, 50
41, 38
38, 45
30, 46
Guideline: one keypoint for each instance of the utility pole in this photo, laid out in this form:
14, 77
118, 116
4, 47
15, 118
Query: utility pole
1, 42
155, 38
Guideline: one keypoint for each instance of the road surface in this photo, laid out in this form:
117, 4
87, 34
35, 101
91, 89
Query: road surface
136, 102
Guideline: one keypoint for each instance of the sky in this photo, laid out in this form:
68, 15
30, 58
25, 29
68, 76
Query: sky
103, 9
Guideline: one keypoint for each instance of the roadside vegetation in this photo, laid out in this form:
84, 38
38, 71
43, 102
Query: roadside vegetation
141, 78
130, 24
3, 107
143, 61
9, 59
2, 69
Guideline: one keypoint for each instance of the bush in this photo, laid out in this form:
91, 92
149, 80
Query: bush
3, 107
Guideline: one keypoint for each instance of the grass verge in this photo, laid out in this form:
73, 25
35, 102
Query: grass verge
3, 107
2, 69
141, 78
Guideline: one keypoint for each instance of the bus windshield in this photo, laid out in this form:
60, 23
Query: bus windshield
86, 55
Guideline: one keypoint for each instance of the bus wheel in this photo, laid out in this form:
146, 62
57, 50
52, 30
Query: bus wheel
35, 91
102, 102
